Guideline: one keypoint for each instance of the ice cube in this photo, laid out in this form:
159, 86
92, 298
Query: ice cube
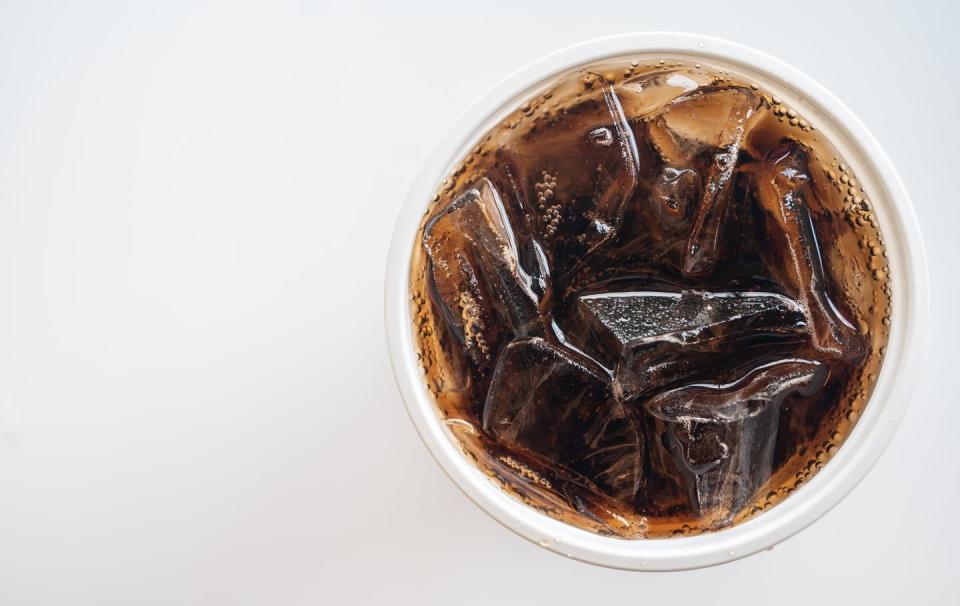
630, 320
623, 179
545, 401
662, 337
784, 189
590, 155
647, 94
476, 276
709, 124
720, 438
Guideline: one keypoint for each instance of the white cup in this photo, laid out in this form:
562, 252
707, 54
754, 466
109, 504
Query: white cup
881, 415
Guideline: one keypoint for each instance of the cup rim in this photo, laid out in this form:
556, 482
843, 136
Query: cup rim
830, 485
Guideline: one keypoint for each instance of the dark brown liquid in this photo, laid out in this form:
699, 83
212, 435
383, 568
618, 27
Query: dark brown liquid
652, 300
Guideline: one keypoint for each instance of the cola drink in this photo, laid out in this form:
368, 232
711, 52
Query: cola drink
651, 301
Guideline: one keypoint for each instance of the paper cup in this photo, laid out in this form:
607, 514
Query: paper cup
881, 415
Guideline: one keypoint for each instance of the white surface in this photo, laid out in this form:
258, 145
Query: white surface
196, 405
890, 396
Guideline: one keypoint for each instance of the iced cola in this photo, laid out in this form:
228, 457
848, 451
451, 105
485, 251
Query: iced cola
652, 300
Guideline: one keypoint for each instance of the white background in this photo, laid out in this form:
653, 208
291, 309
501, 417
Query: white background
196, 405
